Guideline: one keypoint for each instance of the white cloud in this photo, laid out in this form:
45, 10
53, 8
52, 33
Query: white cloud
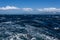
9, 8
49, 10
27, 9
30, 9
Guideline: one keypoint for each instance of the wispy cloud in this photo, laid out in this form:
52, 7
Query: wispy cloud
9, 8
27, 9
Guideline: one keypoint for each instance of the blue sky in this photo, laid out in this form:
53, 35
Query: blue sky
29, 5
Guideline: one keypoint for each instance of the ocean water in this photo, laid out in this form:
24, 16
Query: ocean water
29, 27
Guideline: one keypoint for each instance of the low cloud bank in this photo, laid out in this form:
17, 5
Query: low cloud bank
9, 8
49, 10
30, 9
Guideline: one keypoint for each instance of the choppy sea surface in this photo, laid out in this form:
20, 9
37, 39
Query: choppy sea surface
29, 27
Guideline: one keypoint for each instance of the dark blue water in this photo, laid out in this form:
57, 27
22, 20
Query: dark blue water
29, 27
